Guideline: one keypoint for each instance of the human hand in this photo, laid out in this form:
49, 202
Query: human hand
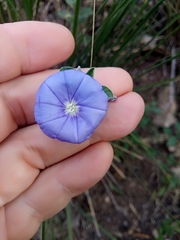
35, 182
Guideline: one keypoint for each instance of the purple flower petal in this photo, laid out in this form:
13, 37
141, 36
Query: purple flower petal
48, 98
70, 105
92, 116
44, 115
51, 128
73, 82
92, 100
69, 131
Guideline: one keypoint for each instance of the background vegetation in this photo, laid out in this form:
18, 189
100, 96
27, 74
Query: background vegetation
139, 198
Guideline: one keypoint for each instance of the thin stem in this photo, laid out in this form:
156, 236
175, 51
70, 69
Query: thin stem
110, 194
93, 214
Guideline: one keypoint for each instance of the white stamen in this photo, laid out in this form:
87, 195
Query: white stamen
71, 108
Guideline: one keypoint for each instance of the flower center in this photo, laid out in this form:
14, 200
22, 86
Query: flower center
71, 108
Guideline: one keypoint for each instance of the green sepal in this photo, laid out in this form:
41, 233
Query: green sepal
90, 72
109, 93
65, 68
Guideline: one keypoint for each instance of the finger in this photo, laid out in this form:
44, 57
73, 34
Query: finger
54, 188
122, 117
28, 47
28, 149
3, 223
17, 97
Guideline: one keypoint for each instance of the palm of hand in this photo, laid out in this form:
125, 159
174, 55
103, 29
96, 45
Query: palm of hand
34, 181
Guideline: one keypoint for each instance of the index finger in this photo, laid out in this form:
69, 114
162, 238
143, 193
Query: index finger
28, 47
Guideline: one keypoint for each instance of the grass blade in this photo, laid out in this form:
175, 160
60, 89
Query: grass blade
43, 232
69, 222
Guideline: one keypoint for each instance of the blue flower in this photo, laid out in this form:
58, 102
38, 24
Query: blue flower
70, 105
